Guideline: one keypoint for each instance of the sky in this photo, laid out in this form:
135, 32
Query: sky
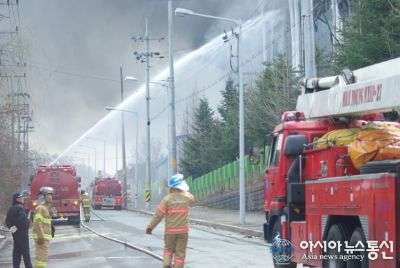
74, 50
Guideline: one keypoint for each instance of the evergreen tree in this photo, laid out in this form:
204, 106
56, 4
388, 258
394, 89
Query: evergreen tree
229, 126
199, 148
371, 35
274, 93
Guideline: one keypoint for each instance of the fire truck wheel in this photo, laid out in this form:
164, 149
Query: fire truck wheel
277, 230
337, 232
358, 235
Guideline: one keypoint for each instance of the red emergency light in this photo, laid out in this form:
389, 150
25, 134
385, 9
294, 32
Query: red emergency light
292, 116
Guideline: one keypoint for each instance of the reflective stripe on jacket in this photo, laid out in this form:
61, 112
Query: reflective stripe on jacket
42, 223
175, 207
85, 201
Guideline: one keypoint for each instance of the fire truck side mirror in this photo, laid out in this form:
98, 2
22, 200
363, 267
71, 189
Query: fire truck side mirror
294, 145
78, 179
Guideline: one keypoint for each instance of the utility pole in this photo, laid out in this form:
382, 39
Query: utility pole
172, 124
307, 9
337, 23
148, 145
123, 137
137, 161
145, 58
104, 158
264, 36
295, 20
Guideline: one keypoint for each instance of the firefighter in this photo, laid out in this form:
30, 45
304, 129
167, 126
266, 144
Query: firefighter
42, 226
86, 203
175, 208
18, 222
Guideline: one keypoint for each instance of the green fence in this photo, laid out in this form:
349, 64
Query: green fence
227, 177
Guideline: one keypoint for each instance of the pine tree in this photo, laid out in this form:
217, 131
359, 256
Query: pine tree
371, 35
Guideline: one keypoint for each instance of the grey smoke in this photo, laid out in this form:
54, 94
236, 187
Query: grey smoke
92, 38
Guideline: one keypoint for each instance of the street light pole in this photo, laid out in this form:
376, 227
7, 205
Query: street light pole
95, 157
136, 146
172, 134
123, 137
88, 162
104, 152
242, 184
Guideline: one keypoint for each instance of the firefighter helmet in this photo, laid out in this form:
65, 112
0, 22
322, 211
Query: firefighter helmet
177, 181
46, 190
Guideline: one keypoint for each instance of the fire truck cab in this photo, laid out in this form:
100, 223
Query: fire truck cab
333, 214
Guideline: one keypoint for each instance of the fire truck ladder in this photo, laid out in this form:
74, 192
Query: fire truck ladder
375, 88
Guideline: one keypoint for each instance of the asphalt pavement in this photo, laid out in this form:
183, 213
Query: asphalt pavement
208, 247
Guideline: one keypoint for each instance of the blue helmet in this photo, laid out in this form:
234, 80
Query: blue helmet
177, 181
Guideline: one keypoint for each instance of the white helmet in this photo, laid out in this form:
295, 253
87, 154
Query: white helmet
46, 190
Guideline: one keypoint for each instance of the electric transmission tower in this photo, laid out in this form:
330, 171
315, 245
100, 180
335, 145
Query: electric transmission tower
15, 100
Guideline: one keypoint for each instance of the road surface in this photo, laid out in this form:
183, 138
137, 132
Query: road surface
74, 247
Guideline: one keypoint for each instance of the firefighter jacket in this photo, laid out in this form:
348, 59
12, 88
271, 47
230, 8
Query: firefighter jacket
175, 208
42, 225
85, 201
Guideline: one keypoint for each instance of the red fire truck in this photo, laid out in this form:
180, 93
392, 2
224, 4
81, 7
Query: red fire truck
107, 192
64, 181
331, 213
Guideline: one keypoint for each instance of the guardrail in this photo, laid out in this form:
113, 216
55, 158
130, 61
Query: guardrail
226, 178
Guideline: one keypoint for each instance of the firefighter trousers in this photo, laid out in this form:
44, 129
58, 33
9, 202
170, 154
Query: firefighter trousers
42, 254
175, 250
86, 213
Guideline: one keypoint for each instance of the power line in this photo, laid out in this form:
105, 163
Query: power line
217, 81
87, 76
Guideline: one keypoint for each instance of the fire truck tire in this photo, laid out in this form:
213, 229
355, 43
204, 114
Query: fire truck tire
358, 235
337, 232
118, 207
97, 207
276, 229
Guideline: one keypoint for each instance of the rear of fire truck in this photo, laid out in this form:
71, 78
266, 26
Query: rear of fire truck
107, 193
332, 182
63, 179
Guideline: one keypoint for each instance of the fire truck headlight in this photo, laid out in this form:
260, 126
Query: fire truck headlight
75, 203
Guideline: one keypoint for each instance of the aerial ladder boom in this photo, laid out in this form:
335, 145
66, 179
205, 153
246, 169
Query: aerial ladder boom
375, 88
